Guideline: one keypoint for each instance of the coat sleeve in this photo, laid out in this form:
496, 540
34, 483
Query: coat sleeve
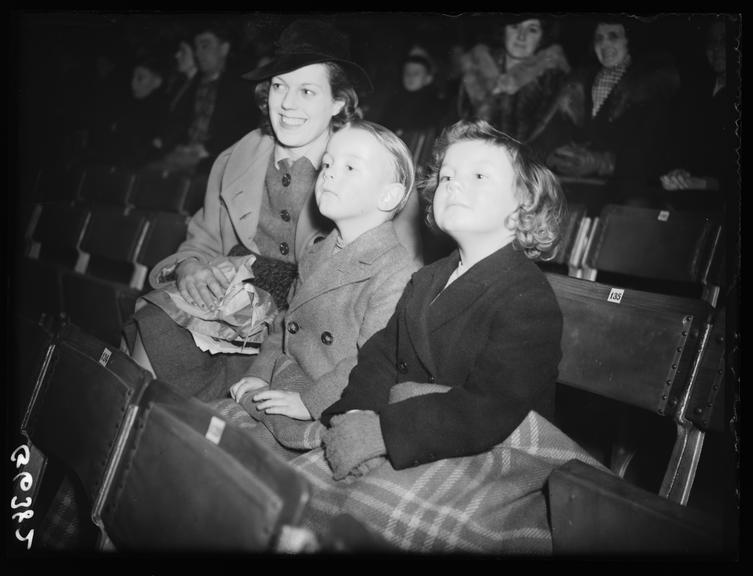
271, 349
384, 292
517, 365
203, 240
375, 373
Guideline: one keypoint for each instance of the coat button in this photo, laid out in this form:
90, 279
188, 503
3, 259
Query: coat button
286, 180
432, 379
293, 327
285, 215
402, 366
284, 248
327, 338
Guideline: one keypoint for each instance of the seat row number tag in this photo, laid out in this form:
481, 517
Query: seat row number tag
215, 430
105, 357
615, 295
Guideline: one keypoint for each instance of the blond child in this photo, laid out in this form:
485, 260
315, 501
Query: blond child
347, 289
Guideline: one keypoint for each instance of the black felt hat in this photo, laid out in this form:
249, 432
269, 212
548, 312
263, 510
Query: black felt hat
307, 42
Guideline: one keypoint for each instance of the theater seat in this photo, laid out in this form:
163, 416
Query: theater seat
100, 293
161, 191
81, 409
108, 185
190, 482
655, 250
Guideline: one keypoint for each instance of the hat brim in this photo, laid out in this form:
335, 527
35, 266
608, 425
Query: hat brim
288, 62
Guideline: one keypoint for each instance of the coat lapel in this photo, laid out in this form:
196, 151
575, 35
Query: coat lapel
426, 286
463, 292
243, 185
352, 264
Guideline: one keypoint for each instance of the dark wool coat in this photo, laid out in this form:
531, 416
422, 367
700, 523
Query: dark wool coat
629, 123
493, 336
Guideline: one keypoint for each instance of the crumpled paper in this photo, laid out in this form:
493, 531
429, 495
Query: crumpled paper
244, 313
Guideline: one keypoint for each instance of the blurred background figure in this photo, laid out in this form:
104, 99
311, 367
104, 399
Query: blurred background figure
217, 109
416, 105
513, 86
608, 119
701, 154
135, 133
183, 73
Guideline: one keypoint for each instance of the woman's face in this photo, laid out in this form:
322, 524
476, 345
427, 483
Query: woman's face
611, 44
184, 58
476, 191
301, 105
523, 38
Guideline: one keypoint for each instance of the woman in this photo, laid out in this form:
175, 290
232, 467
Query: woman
259, 199
609, 117
513, 88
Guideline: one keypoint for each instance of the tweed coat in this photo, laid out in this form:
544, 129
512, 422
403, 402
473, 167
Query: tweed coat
232, 205
341, 299
493, 336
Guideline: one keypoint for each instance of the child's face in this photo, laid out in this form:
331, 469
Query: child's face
356, 170
476, 191
301, 105
415, 76
144, 82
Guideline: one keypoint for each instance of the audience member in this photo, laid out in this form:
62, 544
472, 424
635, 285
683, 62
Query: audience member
608, 117
416, 105
259, 202
215, 111
515, 86
703, 143
134, 136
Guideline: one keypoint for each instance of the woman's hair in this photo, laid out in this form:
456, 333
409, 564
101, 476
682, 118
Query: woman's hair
536, 221
550, 28
402, 160
342, 89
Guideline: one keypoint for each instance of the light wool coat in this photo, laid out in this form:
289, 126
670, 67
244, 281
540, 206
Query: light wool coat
341, 300
232, 205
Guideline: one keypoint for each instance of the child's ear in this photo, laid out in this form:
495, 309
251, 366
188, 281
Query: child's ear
391, 197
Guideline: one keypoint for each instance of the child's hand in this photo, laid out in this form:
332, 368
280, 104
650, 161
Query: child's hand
245, 385
282, 402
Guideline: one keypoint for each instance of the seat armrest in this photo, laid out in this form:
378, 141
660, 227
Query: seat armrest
597, 513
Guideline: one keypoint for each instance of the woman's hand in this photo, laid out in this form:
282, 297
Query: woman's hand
200, 284
246, 385
282, 402
579, 161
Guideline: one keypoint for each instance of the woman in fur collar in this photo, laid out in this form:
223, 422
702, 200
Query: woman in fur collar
607, 119
512, 87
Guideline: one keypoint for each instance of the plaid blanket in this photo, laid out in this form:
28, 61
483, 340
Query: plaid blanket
492, 502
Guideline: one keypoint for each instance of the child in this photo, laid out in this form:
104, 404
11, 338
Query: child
347, 289
416, 105
479, 330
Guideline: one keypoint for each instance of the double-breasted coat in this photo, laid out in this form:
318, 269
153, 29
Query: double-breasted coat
341, 299
493, 336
